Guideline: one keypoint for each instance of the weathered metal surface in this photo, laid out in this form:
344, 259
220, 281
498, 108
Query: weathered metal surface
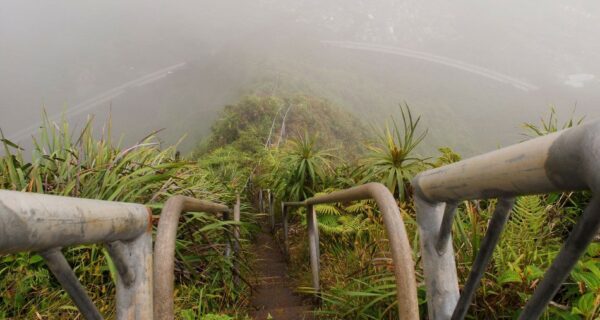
118, 253
271, 201
284, 218
260, 201
439, 266
406, 287
134, 301
164, 249
36, 222
44, 223
446, 227
60, 268
313, 245
560, 161
568, 160
236, 238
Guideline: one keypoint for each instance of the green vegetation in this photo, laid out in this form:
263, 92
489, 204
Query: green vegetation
298, 146
78, 164
355, 260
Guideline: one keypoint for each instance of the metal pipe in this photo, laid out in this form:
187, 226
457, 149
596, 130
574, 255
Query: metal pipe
226, 233
583, 233
295, 203
236, 239
164, 249
404, 270
446, 227
134, 302
118, 252
546, 164
564, 161
66, 277
286, 241
313, 244
37, 222
439, 267
236, 228
260, 201
271, 210
484, 256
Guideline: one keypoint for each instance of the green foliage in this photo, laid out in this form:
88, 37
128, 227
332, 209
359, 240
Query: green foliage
447, 156
266, 121
84, 165
392, 160
252, 114
251, 141
302, 166
550, 125
228, 166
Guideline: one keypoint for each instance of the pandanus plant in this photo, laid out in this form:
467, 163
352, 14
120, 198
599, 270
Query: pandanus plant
301, 166
392, 160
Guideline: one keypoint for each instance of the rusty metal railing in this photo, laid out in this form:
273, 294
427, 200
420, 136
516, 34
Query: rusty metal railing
568, 160
45, 224
404, 272
164, 249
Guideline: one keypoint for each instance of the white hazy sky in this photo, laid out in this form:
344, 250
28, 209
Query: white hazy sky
173, 64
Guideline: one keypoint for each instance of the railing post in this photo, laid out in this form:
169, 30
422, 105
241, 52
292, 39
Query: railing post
135, 301
60, 268
271, 210
582, 235
439, 266
400, 248
260, 201
313, 243
484, 255
226, 230
236, 239
284, 217
164, 249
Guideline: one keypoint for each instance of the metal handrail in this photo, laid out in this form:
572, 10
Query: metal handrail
164, 248
568, 160
406, 288
45, 223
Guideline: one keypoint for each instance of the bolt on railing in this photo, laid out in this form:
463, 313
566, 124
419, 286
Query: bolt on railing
404, 272
568, 160
164, 249
45, 224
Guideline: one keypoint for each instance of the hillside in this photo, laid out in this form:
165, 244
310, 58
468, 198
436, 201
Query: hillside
260, 121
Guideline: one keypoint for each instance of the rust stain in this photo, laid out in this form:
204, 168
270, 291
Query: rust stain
149, 229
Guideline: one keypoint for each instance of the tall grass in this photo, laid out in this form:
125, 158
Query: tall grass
88, 165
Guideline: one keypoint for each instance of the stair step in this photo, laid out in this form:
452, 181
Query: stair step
272, 295
288, 313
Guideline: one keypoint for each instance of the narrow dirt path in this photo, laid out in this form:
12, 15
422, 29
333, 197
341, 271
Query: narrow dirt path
273, 297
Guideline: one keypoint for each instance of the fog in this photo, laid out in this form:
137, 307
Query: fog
474, 70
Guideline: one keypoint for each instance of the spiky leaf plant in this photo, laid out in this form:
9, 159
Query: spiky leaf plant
392, 159
84, 165
301, 166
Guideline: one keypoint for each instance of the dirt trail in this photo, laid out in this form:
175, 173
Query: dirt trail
273, 296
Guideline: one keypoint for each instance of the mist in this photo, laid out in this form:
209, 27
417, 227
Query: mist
475, 71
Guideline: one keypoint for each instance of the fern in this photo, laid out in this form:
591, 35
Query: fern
328, 209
